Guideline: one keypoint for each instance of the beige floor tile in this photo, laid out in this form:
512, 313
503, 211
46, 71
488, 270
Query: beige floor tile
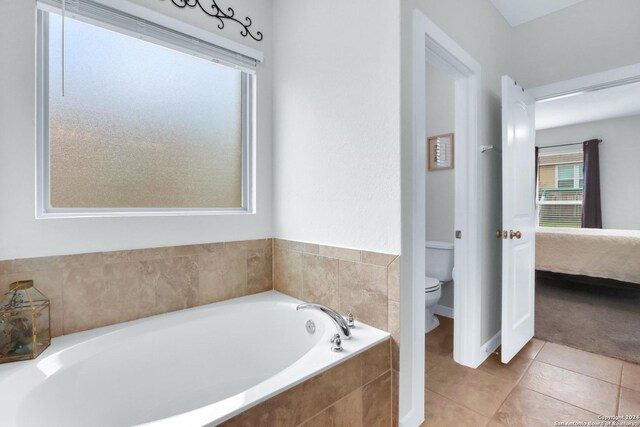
440, 340
473, 388
532, 348
629, 402
524, 408
577, 389
631, 376
435, 359
593, 365
512, 371
440, 411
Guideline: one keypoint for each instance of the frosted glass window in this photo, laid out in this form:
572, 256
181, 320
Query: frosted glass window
140, 125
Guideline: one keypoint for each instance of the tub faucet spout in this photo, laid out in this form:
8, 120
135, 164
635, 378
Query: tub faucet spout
337, 318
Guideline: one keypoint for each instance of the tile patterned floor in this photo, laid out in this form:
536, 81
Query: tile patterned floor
544, 383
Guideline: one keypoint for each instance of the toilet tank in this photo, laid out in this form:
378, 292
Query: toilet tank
439, 260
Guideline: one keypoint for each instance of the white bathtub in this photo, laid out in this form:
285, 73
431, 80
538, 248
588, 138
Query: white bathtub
194, 367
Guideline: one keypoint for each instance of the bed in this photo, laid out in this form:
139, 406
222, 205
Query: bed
601, 253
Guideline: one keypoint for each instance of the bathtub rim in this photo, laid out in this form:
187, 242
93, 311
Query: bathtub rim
371, 335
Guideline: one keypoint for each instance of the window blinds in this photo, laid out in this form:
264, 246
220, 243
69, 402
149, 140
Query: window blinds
96, 13
560, 188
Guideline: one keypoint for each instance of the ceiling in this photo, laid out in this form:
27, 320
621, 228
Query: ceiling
585, 107
518, 12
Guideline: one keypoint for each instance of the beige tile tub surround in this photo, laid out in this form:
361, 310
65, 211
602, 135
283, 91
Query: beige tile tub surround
98, 289
365, 283
355, 393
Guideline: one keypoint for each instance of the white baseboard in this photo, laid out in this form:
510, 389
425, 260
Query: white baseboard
491, 345
441, 310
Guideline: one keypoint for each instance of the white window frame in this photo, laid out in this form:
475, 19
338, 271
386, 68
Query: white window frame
540, 203
576, 174
44, 210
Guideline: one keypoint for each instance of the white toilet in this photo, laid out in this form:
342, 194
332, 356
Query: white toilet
438, 269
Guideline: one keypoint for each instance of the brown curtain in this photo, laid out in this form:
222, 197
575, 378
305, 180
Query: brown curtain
591, 205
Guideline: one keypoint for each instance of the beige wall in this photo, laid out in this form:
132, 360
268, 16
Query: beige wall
97, 289
547, 176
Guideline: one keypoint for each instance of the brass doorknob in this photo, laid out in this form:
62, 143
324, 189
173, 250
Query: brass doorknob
498, 234
516, 234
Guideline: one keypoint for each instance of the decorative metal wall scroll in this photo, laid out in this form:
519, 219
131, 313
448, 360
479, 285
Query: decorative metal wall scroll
211, 8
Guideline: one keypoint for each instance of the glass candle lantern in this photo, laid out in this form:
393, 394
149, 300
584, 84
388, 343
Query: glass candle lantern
25, 329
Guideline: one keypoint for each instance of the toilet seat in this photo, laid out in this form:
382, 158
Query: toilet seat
431, 284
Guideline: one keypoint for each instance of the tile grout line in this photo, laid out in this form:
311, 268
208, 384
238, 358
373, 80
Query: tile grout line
620, 391
559, 400
589, 352
459, 404
497, 376
579, 373
516, 384
391, 383
360, 387
273, 265
328, 407
510, 391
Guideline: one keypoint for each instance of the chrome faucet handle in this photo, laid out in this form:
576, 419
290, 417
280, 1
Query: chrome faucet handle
350, 322
336, 343
338, 320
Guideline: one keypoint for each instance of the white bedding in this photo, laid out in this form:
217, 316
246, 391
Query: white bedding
611, 254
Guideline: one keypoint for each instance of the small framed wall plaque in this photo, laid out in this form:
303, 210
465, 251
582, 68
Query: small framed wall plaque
440, 152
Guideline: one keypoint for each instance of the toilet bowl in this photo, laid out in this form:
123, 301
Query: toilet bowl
432, 293
438, 269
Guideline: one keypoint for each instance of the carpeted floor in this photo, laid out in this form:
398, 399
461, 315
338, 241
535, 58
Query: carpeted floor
598, 319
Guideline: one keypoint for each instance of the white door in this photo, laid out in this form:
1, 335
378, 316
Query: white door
518, 218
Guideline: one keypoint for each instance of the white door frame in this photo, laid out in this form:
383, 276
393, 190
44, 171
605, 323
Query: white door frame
431, 44
591, 82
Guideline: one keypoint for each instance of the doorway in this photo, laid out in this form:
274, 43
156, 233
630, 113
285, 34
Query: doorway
593, 283
563, 165
432, 46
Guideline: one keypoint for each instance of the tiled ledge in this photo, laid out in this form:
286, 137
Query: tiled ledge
357, 392
98, 289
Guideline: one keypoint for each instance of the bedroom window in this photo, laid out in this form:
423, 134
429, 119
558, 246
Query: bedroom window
560, 188
138, 119
569, 176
